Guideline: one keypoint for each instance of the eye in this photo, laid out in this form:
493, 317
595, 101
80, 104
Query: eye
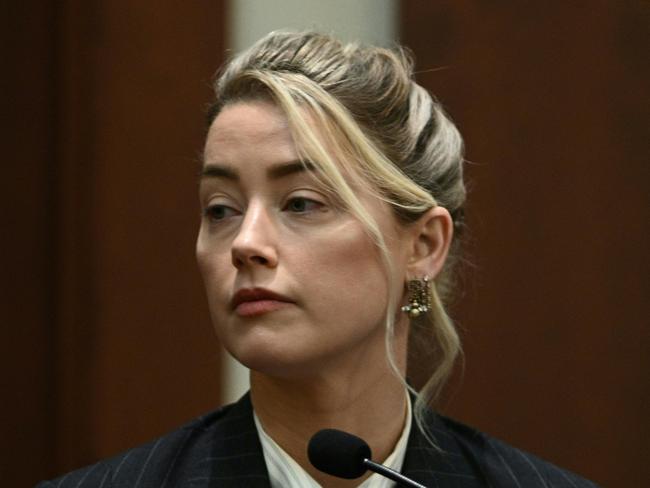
218, 212
302, 205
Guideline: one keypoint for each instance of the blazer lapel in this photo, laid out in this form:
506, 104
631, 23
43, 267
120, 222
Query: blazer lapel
235, 456
445, 467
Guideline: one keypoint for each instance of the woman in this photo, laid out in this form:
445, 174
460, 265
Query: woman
332, 199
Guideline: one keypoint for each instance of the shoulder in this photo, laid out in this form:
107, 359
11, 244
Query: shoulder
505, 465
156, 463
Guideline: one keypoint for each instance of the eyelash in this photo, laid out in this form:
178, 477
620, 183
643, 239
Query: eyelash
210, 210
309, 201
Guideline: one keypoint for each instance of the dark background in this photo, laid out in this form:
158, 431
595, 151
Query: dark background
105, 329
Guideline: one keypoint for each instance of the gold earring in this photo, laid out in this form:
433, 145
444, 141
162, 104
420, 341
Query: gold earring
419, 297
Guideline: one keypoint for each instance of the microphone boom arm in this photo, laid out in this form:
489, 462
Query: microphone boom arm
391, 474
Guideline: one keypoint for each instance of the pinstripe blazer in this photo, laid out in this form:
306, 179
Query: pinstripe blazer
222, 450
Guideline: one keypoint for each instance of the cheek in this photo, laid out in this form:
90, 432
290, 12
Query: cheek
214, 264
346, 276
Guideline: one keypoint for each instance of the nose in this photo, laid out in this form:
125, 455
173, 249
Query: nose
255, 243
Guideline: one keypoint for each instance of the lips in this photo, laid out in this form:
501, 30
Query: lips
256, 301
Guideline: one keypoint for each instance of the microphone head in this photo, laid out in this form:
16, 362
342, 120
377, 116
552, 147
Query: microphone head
338, 453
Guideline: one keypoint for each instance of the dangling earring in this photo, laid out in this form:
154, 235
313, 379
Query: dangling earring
419, 297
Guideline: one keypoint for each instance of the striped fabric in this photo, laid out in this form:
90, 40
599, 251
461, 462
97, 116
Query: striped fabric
223, 450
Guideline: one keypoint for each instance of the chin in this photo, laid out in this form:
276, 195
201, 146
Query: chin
275, 367
281, 360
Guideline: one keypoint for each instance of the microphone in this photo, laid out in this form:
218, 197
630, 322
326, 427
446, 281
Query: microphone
347, 456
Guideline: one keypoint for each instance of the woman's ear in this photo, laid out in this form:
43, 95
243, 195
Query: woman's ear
432, 234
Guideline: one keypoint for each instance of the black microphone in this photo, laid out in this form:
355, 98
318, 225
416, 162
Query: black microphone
347, 456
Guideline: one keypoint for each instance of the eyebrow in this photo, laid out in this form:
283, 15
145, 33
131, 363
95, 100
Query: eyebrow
275, 172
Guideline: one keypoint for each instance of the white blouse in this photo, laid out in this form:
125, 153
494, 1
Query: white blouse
284, 472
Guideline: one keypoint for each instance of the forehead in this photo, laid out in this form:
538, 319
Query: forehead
254, 135
258, 129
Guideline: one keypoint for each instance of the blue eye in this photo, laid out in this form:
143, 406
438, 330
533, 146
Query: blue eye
218, 212
302, 205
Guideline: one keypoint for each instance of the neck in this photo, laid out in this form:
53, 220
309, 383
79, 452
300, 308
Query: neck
371, 405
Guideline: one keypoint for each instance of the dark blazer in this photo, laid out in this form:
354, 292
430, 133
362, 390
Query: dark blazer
222, 450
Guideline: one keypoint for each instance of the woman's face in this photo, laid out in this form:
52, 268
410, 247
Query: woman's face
294, 284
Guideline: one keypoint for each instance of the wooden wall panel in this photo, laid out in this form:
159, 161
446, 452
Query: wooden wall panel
114, 344
151, 84
27, 240
553, 105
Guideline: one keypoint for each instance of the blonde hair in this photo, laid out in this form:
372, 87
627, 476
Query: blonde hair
378, 131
